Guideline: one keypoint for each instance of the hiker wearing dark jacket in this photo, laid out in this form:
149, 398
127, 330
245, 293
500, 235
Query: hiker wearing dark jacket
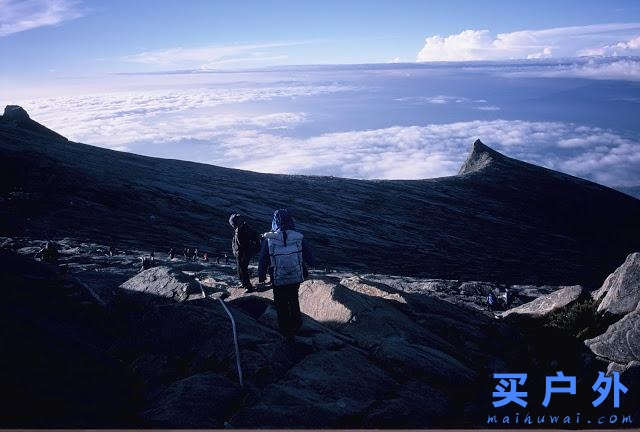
245, 245
285, 254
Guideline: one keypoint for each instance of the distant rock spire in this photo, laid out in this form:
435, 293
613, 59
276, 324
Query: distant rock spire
15, 117
15, 113
481, 156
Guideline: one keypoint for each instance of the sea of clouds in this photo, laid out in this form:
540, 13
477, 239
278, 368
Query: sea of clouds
288, 125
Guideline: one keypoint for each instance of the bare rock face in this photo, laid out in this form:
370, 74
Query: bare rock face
416, 361
326, 389
547, 303
620, 292
621, 342
162, 282
202, 400
15, 113
362, 311
480, 157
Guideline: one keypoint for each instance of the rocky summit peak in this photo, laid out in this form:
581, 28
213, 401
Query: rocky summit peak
15, 112
481, 156
16, 118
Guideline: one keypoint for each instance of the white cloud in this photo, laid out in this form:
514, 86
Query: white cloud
211, 126
415, 152
479, 104
628, 48
213, 56
532, 44
119, 119
626, 69
488, 108
21, 15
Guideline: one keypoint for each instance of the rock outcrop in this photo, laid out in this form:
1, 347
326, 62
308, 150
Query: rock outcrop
547, 303
15, 113
162, 282
373, 351
480, 157
17, 117
621, 342
620, 292
500, 220
201, 401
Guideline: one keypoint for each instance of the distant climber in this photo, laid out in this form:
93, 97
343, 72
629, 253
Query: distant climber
147, 262
48, 253
505, 298
195, 254
221, 257
172, 254
492, 301
205, 257
112, 250
245, 244
285, 254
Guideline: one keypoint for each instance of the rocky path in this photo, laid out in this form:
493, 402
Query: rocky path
373, 351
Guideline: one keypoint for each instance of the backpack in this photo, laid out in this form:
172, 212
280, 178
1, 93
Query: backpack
491, 299
286, 260
246, 239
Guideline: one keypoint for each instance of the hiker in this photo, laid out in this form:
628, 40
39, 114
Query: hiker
172, 254
205, 257
505, 298
195, 254
112, 250
48, 253
285, 254
492, 301
245, 244
153, 255
146, 263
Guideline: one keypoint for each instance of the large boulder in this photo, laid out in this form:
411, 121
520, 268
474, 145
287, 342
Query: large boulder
547, 303
404, 359
364, 311
326, 389
200, 401
621, 342
162, 282
620, 292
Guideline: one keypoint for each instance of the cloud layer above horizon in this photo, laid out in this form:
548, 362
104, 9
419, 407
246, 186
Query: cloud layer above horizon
181, 124
615, 39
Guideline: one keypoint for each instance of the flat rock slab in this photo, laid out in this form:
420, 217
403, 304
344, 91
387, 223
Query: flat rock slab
201, 401
621, 342
620, 292
325, 390
547, 303
163, 282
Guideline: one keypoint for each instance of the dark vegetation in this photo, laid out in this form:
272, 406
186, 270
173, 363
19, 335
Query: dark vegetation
580, 319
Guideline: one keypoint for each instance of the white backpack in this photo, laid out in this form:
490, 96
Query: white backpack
286, 261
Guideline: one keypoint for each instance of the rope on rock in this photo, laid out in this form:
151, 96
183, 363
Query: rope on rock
235, 335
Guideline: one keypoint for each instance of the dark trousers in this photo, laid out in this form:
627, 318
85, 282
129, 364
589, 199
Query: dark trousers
242, 265
285, 298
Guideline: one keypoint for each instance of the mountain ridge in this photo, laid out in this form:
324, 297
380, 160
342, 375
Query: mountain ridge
499, 219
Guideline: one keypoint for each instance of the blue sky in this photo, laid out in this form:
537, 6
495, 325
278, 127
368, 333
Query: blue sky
553, 83
76, 38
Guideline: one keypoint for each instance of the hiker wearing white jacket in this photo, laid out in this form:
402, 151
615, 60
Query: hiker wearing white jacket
285, 254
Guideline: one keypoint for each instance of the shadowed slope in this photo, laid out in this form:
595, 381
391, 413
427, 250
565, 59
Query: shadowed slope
500, 219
